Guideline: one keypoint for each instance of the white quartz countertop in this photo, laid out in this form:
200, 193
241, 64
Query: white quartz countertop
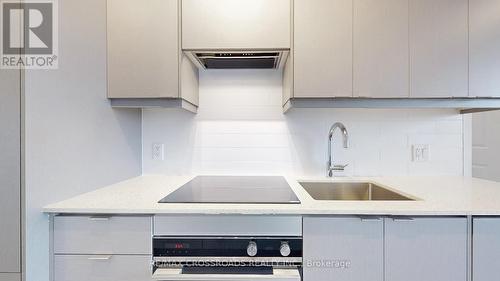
435, 196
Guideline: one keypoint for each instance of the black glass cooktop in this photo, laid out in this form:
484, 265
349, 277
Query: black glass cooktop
234, 189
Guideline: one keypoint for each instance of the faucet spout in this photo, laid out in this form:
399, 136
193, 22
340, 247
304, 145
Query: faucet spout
345, 139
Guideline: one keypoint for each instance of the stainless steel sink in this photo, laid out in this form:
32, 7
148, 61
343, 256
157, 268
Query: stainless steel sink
357, 191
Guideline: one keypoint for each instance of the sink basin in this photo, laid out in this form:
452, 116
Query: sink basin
357, 191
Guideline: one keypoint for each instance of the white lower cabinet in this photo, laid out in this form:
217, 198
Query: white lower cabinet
430, 249
10, 276
343, 249
102, 235
102, 268
390, 249
102, 248
486, 249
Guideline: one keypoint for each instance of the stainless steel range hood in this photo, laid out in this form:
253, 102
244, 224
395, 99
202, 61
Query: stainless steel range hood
230, 59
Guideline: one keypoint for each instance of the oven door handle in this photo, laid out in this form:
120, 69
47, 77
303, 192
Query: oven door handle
175, 274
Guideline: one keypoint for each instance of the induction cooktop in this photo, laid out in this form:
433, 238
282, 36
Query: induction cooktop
234, 189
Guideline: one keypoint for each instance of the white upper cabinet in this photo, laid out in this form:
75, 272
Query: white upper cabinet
484, 23
236, 24
381, 58
143, 53
322, 48
438, 48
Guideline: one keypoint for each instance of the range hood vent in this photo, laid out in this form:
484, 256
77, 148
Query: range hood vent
238, 59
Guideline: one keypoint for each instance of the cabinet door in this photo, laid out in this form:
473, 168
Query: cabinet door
484, 24
236, 24
143, 49
430, 249
439, 48
323, 48
343, 249
486, 244
10, 171
381, 57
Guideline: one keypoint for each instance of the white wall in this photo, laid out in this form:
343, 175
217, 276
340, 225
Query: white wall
486, 145
240, 129
75, 142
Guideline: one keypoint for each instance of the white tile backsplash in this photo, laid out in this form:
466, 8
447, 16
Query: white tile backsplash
240, 129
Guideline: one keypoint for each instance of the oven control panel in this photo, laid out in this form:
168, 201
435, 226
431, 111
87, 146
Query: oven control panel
165, 246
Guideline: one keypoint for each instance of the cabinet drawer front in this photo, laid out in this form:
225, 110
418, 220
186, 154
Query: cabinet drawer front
102, 235
228, 225
10, 276
102, 268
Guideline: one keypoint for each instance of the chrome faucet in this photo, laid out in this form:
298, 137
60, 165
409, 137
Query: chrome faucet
345, 136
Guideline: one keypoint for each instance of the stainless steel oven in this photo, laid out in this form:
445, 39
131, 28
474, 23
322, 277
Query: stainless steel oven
211, 258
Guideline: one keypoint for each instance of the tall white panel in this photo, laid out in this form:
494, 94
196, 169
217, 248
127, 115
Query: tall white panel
10, 171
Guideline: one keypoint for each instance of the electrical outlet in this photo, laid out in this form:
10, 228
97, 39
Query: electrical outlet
420, 152
158, 151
